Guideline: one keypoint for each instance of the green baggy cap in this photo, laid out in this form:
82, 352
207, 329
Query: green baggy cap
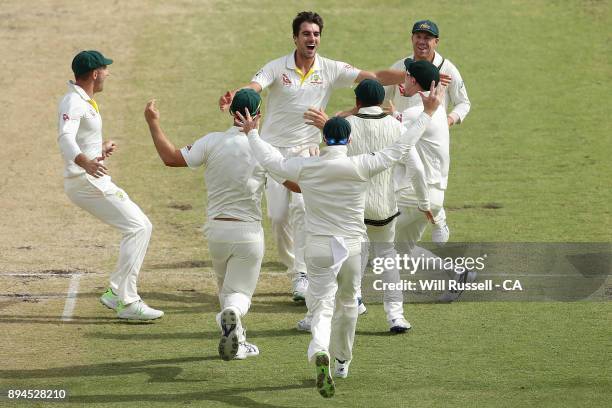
370, 92
244, 99
86, 61
423, 71
337, 131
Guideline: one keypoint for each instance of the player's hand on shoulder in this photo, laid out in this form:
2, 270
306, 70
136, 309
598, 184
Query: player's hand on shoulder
151, 112
313, 151
315, 117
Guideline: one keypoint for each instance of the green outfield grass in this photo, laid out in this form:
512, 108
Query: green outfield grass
536, 145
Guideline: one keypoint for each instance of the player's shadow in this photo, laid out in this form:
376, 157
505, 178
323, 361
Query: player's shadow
231, 396
200, 335
159, 370
208, 264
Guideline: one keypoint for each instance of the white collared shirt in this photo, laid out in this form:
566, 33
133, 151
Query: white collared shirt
455, 96
79, 129
234, 179
292, 93
334, 185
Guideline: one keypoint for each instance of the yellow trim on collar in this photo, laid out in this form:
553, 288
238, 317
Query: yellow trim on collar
302, 76
94, 104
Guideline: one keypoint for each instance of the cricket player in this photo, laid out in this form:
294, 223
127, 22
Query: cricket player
89, 186
433, 149
297, 81
235, 183
425, 40
334, 189
373, 130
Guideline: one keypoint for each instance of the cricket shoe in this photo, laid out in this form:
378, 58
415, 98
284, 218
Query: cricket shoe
440, 234
138, 310
462, 278
228, 344
245, 350
361, 308
305, 324
325, 383
300, 285
341, 368
109, 299
399, 325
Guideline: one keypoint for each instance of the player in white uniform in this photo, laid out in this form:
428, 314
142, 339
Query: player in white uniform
297, 81
433, 150
425, 40
235, 183
88, 185
334, 189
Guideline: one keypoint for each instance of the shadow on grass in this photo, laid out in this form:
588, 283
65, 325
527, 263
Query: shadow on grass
230, 396
207, 335
159, 371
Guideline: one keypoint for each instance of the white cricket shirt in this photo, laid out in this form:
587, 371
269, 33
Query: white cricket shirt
456, 94
234, 179
334, 185
79, 130
293, 92
433, 146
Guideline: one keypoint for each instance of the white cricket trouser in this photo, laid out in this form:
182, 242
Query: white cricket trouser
334, 274
104, 200
411, 223
236, 249
286, 212
381, 244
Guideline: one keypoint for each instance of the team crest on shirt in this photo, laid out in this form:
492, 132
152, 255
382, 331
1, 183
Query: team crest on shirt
316, 79
286, 80
65, 117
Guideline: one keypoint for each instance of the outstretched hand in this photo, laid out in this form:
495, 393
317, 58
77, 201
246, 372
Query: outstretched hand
434, 99
225, 101
315, 117
247, 123
151, 113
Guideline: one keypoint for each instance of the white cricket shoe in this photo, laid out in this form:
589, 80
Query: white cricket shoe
361, 307
304, 324
300, 286
440, 234
245, 350
228, 343
138, 310
109, 299
453, 295
399, 325
341, 368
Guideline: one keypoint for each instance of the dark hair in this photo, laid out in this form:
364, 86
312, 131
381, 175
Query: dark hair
306, 17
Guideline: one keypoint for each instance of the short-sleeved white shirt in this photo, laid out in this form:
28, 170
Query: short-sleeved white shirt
234, 179
291, 94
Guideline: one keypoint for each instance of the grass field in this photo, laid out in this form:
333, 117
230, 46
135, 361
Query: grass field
536, 144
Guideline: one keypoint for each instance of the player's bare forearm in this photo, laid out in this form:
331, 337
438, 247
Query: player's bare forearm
170, 155
385, 77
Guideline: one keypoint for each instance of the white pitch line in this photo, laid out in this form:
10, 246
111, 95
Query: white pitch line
71, 297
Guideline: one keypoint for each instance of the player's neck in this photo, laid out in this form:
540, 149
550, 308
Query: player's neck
87, 86
428, 58
302, 63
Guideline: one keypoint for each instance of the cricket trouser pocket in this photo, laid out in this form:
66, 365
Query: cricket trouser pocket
236, 249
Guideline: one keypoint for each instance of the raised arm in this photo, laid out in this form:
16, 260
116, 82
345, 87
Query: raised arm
170, 155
